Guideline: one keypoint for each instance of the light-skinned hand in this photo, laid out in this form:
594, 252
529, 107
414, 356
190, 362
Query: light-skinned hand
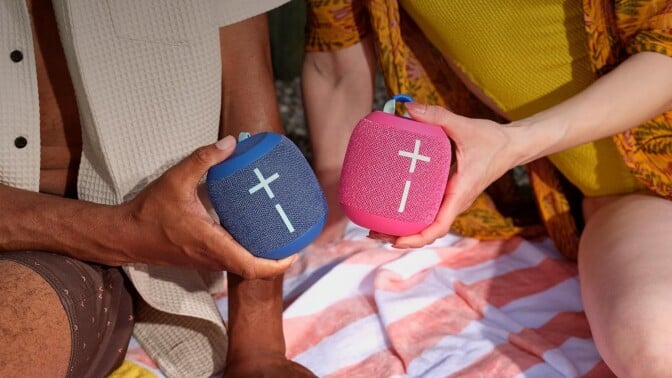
483, 153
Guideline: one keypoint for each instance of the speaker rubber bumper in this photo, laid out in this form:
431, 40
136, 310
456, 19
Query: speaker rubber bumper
298, 244
382, 224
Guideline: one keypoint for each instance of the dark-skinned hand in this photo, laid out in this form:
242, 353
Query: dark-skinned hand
168, 224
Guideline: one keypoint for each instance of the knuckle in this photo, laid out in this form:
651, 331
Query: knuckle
248, 272
436, 110
201, 156
202, 249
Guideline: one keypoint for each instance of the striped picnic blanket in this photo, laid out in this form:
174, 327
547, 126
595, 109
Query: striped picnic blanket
457, 308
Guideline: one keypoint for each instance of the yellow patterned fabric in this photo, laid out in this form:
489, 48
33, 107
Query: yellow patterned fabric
523, 70
526, 70
341, 23
130, 370
410, 64
615, 32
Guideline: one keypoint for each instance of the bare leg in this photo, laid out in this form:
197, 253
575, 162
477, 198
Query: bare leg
625, 265
338, 90
34, 327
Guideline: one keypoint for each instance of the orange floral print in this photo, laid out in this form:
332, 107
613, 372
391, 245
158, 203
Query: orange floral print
410, 64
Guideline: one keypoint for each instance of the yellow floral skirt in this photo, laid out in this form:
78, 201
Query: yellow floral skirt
411, 65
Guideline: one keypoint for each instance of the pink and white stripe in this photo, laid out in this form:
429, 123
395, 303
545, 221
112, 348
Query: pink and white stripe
457, 308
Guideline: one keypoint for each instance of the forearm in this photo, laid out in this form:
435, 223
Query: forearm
634, 92
36, 221
338, 90
248, 91
255, 316
249, 104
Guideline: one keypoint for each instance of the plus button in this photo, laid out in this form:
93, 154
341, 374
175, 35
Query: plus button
264, 183
414, 156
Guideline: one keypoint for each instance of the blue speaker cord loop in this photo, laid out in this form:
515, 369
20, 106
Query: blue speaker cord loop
243, 135
391, 104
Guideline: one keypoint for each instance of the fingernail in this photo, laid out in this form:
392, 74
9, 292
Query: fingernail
226, 143
415, 107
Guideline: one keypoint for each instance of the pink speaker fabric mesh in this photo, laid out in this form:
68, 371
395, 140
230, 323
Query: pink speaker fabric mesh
375, 175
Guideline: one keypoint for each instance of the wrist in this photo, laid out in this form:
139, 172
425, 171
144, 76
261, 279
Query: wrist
255, 316
535, 137
91, 232
113, 232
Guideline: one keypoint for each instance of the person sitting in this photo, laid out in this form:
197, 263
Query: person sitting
110, 115
577, 92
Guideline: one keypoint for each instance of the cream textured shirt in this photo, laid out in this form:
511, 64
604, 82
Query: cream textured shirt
147, 76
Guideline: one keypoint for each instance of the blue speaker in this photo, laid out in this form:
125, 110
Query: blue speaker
267, 196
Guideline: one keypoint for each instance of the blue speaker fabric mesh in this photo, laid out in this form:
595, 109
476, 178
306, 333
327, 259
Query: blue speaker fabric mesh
255, 219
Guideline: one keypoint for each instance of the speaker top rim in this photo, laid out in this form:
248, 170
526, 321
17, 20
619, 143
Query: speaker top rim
246, 152
405, 124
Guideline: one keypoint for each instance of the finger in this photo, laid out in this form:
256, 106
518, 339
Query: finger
236, 259
261, 268
193, 167
382, 237
267, 268
435, 115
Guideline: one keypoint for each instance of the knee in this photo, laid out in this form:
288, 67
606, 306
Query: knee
647, 357
648, 363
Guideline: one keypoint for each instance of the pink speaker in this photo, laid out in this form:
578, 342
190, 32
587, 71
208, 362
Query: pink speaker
394, 174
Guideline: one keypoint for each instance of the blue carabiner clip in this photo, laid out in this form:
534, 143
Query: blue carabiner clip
391, 104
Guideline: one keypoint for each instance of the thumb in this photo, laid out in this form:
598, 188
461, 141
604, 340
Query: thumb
434, 115
194, 166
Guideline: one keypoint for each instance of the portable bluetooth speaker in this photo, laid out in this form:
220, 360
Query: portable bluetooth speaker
267, 197
394, 174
